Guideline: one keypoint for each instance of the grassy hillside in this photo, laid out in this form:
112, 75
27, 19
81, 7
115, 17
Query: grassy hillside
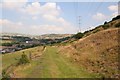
49, 65
6, 41
98, 53
94, 55
55, 36
12, 58
114, 23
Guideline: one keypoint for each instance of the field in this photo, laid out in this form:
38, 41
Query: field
12, 58
50, 65
98, 53
90, 57
6, 41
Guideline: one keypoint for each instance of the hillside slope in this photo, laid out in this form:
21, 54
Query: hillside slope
114, 23
98, 52
55, 36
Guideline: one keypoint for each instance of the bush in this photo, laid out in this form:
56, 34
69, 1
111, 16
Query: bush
116, 18
24, 59
105, 22
106, 26
9, 44
96, 31
86, 32
6, 44
4, 74
117, 25
78, 35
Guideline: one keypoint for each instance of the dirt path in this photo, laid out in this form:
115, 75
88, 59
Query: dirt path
53, 65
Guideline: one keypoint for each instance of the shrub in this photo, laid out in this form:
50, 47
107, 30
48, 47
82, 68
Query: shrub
96, 31
105, 22
6, 44
106, 26
24, 59
86, 32
78, 35
116, 18
117, 25
4, 74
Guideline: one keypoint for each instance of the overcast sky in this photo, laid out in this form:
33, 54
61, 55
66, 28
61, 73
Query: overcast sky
57, 17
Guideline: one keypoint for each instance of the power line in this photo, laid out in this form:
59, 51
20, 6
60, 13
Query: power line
77, 16
76, 13
98, 7
119, 8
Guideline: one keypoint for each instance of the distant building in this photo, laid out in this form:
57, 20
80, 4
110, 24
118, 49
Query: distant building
5, 37
32, 42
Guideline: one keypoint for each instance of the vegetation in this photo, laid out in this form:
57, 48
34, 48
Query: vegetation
6, 44
50, 65
96, 31
78, 35
92, 57
105, 22
24, 59
54, 65
21, 38
116, 18
117, 25
12, 58
4, 75
96, 51
105, 26
9, 44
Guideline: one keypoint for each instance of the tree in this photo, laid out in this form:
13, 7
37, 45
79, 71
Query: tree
116, 18
78, 35
24, 59
105, 22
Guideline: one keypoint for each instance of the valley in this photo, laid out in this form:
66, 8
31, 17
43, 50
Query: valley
92, 54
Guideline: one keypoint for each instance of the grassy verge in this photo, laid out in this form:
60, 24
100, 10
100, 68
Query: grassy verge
11, 58
54, 65
50, 65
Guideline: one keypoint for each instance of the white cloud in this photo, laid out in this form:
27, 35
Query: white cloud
19, 27
51, 8
9, 26
49, 17
102, 17
113, 8
32, 9
14, 4
99, 16
114, 14
7, 23
14, 0
47, 29
49, 12
36, 8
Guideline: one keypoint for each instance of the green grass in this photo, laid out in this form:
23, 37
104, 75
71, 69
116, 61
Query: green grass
11, 58
50, 65
6, 41
54, 65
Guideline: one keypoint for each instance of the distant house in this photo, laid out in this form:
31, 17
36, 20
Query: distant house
32, 42
9, 49
28, 42
6, 38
